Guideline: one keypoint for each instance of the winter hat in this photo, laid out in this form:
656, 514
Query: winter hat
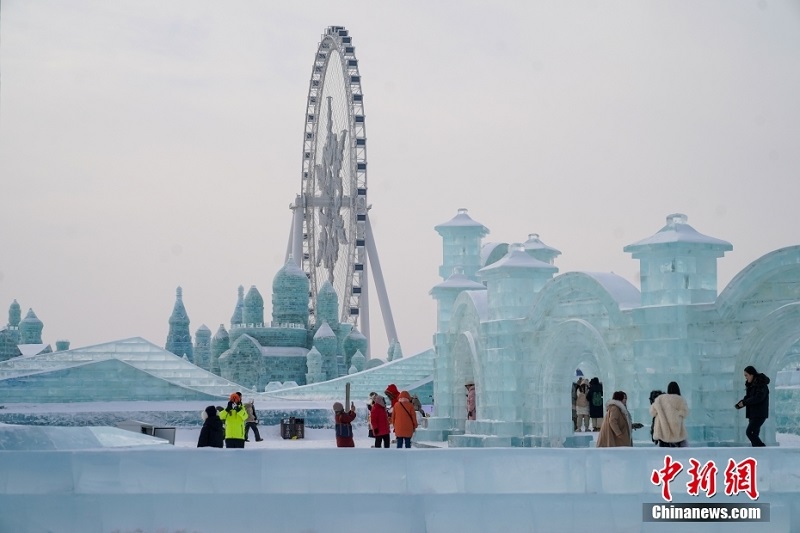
338, 407
234, 397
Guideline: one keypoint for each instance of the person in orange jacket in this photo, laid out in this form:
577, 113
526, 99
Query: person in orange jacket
404, 420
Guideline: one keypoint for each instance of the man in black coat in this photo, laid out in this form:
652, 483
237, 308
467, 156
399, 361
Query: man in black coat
756, 403
212, 434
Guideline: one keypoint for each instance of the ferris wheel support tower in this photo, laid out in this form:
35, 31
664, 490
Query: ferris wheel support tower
331, 236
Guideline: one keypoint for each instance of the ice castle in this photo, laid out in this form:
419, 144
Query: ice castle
23, 336
287, 350
517, 330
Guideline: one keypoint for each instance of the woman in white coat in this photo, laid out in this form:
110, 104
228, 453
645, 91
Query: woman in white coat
670, 411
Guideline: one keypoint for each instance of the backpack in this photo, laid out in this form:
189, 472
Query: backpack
597, 399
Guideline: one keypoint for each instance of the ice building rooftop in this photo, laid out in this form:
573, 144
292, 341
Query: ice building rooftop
677, 230
29, 438
126, 370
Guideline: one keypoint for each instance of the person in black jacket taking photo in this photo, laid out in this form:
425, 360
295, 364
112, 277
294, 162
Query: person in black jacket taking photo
756, 403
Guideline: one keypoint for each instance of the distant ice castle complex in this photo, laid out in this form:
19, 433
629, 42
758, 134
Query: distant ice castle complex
289, 349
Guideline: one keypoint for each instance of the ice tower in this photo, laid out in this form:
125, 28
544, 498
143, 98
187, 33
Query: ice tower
461, 245
202, 347
678, 265
220, 343
9, 335
14, 315
461, 260
30, 329
179, 340
253, 313
237, 319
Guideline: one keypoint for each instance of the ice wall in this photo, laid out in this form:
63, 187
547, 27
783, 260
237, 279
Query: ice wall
419, 490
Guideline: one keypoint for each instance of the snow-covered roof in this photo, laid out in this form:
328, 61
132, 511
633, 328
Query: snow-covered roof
458, 281
489, 248
31, 317
462, 220
534, 243
291, 269
355, 334
517, 258
32, 349
619, 288
678, 231
324, 331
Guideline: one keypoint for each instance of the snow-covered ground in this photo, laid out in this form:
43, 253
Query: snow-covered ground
324, 438
314, 438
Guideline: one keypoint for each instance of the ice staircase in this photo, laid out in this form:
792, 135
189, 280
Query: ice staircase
407, 373
136, 352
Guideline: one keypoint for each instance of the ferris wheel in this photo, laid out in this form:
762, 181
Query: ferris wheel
331, 233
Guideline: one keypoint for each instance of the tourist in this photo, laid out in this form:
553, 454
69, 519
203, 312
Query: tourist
404, 420
653, 395
417, 405
251, 422
669, 412
344, 428
370, 403
234, 417
393, 394
574, 397
582, 407
756, 403
212, 434
471, 414
617, 426
595, 397
379, 421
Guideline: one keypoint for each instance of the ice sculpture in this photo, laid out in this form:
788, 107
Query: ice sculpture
522, 335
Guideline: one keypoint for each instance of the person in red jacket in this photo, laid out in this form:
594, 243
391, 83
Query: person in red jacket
379, 420
404, 420
344, 429
393, 394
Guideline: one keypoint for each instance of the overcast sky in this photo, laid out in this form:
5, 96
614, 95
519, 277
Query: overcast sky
146, 144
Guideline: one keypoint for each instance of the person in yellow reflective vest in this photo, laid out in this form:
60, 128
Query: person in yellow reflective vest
234, 417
